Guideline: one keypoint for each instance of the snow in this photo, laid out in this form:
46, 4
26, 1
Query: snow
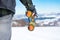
40, 33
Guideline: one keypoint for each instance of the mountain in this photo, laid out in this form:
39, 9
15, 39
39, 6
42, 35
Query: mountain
41, 20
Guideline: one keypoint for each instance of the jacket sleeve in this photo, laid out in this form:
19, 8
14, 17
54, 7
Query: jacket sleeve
28, 4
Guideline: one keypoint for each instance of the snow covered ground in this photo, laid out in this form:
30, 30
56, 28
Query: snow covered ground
40, 33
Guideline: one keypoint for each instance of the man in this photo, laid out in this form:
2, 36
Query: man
7, 10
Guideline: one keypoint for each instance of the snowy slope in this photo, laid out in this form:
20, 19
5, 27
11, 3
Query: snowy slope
40, 33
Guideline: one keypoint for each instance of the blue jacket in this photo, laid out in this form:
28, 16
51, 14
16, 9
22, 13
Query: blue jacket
10, 4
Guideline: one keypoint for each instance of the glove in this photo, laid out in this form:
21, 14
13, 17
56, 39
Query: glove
32, 9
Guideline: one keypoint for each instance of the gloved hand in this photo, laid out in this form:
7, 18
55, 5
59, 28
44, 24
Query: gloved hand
32, 9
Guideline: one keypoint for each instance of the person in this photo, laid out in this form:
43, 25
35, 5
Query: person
7, 10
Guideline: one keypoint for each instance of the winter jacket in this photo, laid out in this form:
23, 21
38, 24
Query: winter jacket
8, 4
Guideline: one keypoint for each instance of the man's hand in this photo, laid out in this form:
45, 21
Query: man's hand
29, 6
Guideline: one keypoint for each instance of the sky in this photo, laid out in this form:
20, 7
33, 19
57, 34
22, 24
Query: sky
42, 6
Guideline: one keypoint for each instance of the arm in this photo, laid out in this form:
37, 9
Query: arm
29, 5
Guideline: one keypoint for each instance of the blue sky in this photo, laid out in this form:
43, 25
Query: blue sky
42, 6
